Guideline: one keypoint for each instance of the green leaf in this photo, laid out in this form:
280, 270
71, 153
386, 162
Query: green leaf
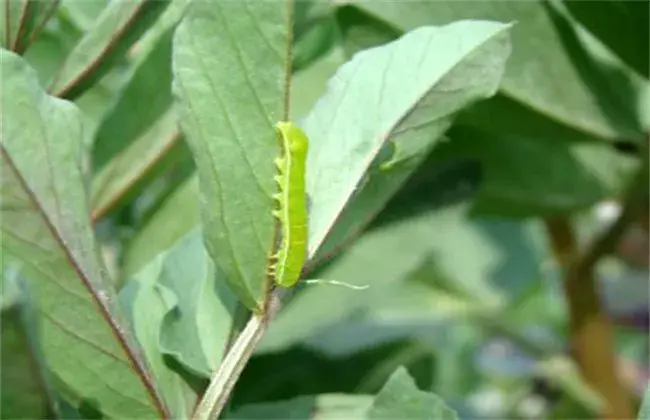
117, 28
644, 411
173, 220
23, 20
457, 65
157, 149
321, 407
46, 232
153, 301
584, 171
400, 398
139, 139
197, 332
100, 98
228, 107
621, 25
457, 375
180, 213
54, 43
561, 74
28, 393
146, 97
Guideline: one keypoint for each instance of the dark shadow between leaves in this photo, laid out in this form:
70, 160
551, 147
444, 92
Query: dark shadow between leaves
621, 25
531, 165
611, 87
308, 372
435, 185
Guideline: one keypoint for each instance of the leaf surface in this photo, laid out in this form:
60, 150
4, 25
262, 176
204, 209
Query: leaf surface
118, 26
229, 66
411, 90
400, 398
556, 68
197, 332
22, 20
46, 233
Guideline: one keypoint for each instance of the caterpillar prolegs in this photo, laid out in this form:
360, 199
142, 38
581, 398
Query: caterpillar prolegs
291, 211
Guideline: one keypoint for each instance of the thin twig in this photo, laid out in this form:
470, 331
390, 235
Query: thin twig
223, 381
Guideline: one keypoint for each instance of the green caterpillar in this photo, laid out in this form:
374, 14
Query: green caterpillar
286, 264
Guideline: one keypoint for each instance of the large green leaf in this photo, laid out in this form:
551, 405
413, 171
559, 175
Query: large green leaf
389, 105
146, 303
144, 99
556, 68
181, 308
54, 43
46, 233
400, 398
583, 172
117, 28
22, 21
139, 138
229, 65
180, 213
197, 332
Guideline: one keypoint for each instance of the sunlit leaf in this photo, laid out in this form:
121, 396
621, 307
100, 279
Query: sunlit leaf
555, 68
360, 155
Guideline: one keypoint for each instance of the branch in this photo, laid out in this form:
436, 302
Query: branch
590, 327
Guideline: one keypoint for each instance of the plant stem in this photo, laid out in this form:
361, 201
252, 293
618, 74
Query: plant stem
590, 327
223, 381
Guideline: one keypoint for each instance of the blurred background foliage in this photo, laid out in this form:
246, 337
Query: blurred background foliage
465, 290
